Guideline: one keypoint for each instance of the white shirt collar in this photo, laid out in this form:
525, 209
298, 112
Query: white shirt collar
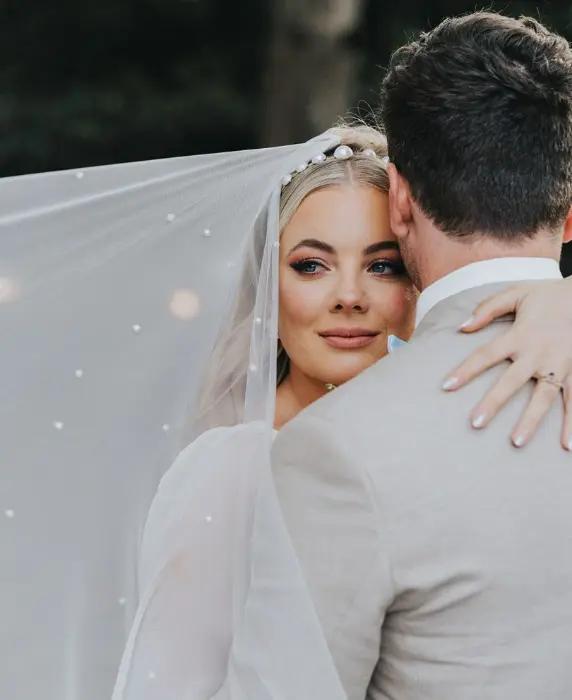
485, 272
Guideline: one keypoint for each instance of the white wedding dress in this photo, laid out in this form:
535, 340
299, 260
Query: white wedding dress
194, 569
194, 576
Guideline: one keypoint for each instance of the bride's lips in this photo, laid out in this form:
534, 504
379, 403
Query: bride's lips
349, 338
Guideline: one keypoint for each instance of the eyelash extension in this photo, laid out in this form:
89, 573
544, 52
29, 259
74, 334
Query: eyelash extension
397, 267
299, 265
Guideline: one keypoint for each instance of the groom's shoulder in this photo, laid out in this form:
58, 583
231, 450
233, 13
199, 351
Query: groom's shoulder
414, 370
402, 391
413, 374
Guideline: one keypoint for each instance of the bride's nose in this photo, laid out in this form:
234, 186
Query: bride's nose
350, 296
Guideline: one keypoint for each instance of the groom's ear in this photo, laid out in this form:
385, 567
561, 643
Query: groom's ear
568, 227
400, 212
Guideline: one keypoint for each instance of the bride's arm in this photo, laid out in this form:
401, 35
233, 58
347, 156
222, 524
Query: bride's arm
193, 548
539, 344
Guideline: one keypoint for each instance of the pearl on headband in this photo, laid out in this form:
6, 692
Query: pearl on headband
343, 152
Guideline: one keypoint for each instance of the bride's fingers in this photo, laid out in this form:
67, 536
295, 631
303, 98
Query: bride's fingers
492, 307
543, 396
479, 360
513, 379
567, 423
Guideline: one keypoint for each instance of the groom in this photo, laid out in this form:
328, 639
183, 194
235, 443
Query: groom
439, 557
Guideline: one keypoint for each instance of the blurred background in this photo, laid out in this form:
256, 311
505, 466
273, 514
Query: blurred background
103, 81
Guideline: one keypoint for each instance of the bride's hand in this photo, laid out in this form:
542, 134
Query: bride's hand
539, 344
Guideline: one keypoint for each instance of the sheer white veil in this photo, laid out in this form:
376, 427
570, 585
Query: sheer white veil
114, 281
277, 647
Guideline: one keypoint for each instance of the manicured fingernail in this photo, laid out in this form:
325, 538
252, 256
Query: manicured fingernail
450, 382
479, 421
468, 322
518, 441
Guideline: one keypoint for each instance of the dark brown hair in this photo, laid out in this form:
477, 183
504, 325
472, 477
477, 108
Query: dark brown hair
478, 116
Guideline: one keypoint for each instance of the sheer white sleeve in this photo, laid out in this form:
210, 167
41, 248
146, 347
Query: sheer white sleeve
192, 574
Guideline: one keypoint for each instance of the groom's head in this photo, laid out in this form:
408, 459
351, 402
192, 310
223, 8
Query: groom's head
478, 114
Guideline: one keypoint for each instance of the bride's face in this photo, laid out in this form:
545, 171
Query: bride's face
341, 272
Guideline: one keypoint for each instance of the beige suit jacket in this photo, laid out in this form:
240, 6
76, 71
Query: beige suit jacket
439, 557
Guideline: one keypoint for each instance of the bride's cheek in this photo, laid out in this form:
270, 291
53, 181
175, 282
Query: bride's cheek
301, 302
299, 313
398, 306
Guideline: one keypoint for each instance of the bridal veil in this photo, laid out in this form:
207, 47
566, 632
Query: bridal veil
114, 283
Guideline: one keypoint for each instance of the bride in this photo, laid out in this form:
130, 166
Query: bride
321, 301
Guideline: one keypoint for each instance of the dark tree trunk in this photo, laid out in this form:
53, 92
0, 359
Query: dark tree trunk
312, 70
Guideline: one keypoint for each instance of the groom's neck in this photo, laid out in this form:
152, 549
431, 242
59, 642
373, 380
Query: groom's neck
437, 254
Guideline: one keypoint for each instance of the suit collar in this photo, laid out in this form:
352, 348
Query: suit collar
482, 273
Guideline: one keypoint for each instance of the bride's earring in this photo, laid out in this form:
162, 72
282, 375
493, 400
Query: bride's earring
330, 387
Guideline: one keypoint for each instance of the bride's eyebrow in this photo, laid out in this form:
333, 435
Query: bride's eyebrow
382, 245
320, 245
314, 243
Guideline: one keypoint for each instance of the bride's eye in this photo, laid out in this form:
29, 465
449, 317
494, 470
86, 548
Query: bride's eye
387, 267
307, 267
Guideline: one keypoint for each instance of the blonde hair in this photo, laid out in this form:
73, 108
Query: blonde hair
222, 395
360, 169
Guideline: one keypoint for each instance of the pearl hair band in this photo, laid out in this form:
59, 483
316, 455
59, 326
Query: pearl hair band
341, 153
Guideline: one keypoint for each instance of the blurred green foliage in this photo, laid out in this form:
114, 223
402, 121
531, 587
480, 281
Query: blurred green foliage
100, 81
104, 81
